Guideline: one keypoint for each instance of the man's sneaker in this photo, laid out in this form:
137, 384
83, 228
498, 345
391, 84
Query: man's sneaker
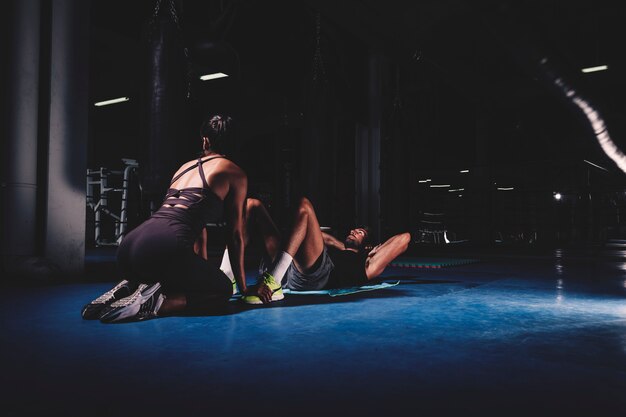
277, 290
143, 304
235, 290
93, 310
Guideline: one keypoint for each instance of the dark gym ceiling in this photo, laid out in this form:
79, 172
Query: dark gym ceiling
482, 51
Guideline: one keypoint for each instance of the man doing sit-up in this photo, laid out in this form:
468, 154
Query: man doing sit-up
310, 259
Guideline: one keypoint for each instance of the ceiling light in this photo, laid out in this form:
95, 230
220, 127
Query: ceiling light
505, 188
464, 171
557, 196
595, 69
112, 101
439, 185
213, 76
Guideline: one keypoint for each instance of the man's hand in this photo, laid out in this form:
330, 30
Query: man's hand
373, 251
332, 242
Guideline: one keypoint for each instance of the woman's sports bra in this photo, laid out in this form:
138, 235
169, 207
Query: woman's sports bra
199, 205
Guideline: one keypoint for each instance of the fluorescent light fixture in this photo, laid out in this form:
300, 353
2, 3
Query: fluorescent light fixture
557, 196
456, 189
464, 171
595, 69
595, 165
439, 185
505, 188
112, 101
213, 76
423, 181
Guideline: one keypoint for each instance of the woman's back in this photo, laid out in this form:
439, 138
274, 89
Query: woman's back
198, 192
218, 172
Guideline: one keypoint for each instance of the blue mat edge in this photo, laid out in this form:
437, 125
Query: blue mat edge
335, 292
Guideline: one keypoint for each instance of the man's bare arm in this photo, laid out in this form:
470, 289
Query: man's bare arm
333, 242
382, 255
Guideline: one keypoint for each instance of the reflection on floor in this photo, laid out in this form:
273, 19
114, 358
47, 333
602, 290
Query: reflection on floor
506, 336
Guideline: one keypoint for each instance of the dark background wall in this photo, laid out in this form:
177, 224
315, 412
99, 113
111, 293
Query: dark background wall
457, 86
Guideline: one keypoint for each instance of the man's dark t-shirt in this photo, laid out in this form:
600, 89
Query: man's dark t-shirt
349, 270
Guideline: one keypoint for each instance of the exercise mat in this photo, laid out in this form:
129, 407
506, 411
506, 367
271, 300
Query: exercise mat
430, 262
335, 292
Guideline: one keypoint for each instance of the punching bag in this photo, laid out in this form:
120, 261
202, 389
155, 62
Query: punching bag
164, 96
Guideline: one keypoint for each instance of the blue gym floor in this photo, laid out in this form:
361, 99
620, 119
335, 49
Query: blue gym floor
510, 335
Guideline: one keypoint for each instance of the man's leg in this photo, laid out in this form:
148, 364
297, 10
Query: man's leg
304, 246
258, 223
305, 243
200, 245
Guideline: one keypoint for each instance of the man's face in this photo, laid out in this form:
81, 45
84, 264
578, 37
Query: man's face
355, 238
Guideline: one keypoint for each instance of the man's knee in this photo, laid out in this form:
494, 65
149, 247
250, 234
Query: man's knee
305, 206
253, 204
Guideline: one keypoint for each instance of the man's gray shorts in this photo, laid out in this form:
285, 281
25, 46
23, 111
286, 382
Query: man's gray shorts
315, 280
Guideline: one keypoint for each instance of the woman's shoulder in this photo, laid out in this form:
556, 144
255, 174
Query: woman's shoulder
224, 169
231, 167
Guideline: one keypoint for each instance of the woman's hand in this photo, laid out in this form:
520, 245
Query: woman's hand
265, 293
262, 291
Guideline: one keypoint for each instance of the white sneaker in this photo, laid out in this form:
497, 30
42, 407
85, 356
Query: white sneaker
143, 304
